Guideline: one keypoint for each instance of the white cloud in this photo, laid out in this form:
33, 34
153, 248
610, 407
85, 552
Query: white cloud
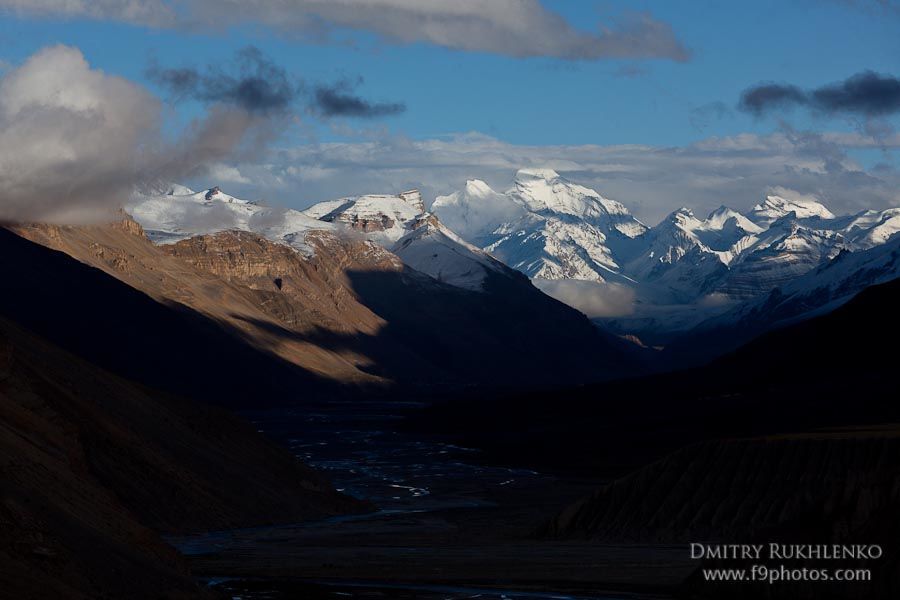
227, 174
69, 133
590, 297
75, 141
793, 195
650, 180
142, 12
519, 28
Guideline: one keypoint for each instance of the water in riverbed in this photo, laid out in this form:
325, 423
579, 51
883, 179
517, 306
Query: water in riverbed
365, 455
364, 452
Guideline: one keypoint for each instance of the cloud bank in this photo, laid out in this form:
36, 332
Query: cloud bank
651, 181
517, 28
139, 12
590, 297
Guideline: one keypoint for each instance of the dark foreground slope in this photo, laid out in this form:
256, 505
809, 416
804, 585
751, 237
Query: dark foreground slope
827, 488
94, 467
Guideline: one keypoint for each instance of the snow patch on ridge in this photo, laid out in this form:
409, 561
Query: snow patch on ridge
181, 213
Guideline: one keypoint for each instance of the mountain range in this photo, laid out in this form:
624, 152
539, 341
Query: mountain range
680, 278
682, 271
112, 336
549, 227
366, 289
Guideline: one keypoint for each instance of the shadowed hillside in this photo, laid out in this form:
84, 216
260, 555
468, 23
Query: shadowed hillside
829, 371
92, 466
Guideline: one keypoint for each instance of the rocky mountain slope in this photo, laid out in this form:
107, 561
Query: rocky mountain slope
383, 218
347, 311
824, 488
94, 467
205, 322
421, 330
401, 225
824, 484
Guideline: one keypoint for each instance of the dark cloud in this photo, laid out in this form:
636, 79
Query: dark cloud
866, 94
770, 96
338, 100
254, 84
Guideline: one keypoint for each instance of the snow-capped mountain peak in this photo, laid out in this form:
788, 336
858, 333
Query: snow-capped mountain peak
684, 217
432, 248
476, 211
526, 174
724, 217
544, 191
384, 218
414, 199
401, 224
775, 207
478, 188
544, 226
215, 194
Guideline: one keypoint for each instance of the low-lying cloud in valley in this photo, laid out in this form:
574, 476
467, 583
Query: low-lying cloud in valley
593, 298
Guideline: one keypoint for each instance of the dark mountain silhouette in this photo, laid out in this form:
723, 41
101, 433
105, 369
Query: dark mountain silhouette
829, 371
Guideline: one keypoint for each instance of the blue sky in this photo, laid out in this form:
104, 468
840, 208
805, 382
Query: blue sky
539, 101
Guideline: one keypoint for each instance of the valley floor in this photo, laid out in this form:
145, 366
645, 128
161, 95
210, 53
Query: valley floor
446, 526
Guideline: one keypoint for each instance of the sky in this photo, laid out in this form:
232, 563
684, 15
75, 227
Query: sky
655, 104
